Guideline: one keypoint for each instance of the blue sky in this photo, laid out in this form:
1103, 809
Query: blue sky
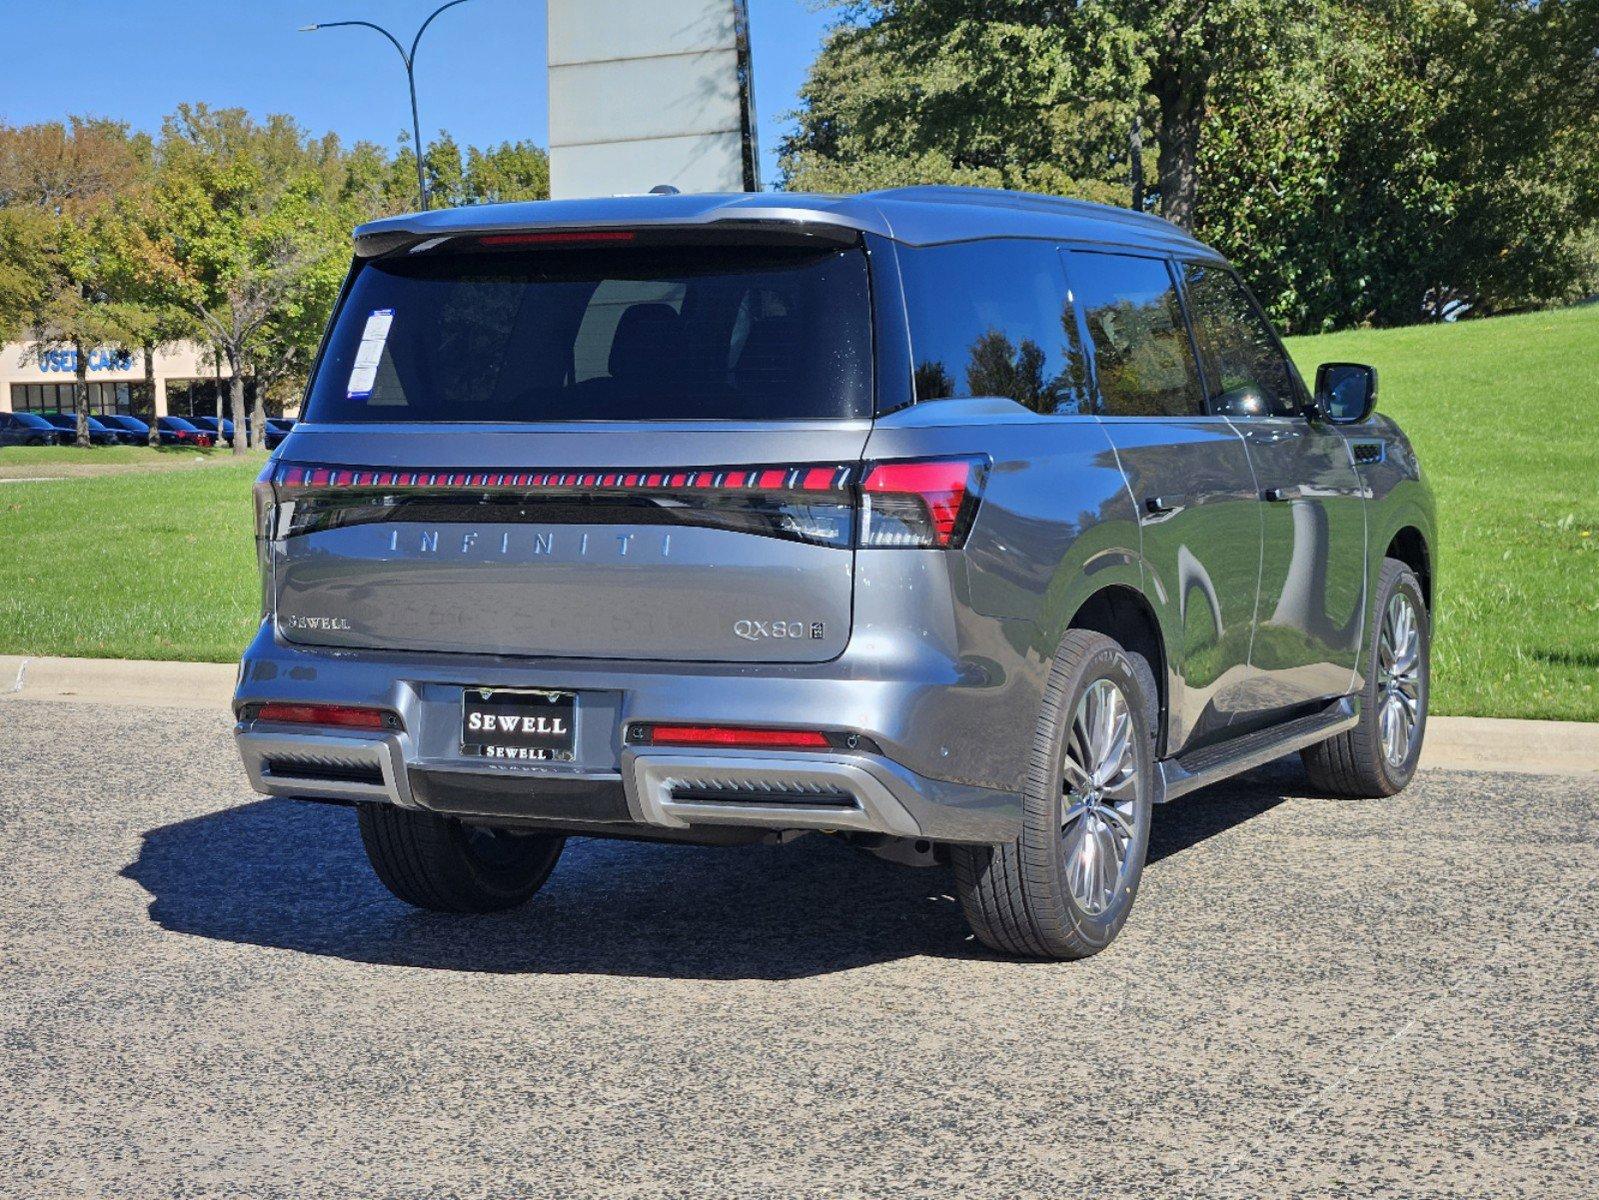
480, 71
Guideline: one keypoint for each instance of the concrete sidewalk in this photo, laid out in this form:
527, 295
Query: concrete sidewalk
1453, 743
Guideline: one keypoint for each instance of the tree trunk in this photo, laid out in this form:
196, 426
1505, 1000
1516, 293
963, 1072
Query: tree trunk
149, 385
1181, 95
1135, 158
80, 393
236, 392
216, 357
258, 418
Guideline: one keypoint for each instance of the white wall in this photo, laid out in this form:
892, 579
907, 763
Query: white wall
646, 92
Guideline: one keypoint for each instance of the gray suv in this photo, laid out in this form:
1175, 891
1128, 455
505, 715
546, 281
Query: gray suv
964, 526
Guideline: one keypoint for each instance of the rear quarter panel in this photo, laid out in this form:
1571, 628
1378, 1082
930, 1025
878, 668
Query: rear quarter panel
1056, 524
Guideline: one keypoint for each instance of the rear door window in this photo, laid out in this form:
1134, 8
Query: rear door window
1246, 372
636, 334
1143, 360
991, 318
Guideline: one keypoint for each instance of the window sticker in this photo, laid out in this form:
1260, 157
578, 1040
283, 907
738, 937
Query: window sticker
364, 371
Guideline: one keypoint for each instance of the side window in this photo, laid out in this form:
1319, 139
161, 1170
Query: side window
1142, 356
1245, 372
991, 318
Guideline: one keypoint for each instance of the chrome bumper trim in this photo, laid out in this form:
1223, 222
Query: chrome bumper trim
651, 776
283, 746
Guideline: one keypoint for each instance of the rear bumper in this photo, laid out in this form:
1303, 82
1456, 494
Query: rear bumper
612, 787
652, 789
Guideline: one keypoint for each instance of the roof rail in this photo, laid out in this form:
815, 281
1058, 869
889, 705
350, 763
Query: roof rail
1002, 198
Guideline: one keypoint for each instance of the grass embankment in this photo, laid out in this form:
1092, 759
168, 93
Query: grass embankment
1503, 413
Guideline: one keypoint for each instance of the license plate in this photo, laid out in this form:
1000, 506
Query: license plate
530, 726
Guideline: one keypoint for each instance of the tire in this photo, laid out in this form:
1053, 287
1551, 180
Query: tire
440, 864
1357, 762
1021, 897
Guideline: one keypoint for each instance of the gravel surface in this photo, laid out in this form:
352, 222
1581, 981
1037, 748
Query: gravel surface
203, 993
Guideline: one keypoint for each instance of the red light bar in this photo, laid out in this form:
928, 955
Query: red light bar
737, 735
799, 477
941, 486
346, 716
556, 237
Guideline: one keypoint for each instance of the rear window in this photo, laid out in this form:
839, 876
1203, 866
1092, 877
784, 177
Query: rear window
608, 334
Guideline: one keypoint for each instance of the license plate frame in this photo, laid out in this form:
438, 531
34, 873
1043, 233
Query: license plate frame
532, 725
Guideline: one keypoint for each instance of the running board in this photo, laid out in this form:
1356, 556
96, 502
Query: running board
1190, 772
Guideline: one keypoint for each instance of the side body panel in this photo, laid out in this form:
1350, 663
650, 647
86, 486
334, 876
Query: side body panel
1201, 543
1398, 497
1311, 611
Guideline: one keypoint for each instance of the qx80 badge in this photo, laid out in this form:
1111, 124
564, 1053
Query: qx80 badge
755, 631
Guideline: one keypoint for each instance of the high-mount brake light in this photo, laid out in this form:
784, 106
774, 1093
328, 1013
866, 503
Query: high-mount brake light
342, 716
736, 736
557, 237
920, 503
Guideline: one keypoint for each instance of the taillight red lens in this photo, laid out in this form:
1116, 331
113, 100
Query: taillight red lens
920, 503
736, 735
346, 716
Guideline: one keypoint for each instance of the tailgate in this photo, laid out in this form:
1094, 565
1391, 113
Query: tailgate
663, 544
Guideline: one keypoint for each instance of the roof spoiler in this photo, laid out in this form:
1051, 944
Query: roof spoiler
765, 230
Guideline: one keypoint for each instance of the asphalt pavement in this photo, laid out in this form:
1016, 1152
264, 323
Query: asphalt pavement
205, 993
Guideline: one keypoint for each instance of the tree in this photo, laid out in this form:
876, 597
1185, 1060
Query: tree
1363, 161
243, 227
58, 184
24, 263
1025, 94
509, 171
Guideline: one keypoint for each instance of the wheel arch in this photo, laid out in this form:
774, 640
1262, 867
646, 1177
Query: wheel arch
1409, 546
1125, 615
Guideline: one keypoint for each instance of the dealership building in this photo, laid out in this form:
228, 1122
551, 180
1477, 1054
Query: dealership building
187, 381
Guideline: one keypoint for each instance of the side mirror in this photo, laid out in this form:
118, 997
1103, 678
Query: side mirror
1346, 392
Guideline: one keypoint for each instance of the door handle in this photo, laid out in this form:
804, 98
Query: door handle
1283, 493
1159, 505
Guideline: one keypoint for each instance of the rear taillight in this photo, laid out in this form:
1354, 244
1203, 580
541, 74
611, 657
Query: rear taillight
340, 716
265, 518
804, 502
734, 736
920, 503
909, 503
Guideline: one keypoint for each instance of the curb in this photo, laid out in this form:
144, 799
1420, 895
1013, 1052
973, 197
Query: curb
1453, 743
118, 681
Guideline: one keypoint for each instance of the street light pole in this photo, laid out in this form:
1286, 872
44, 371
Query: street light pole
408, 57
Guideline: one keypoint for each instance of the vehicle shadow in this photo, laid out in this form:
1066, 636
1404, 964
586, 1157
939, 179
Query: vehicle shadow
292, 875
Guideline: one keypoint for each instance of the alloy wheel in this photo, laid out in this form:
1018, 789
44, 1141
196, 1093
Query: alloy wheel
1399, 679
1100, 816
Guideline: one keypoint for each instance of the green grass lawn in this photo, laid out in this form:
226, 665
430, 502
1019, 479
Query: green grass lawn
147, 565
1505, 415
55, 456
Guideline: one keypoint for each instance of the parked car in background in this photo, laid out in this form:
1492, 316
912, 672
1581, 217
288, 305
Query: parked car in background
220, 431
277, 428
130, 431
66, 426
26, 429
965, 526
179, 431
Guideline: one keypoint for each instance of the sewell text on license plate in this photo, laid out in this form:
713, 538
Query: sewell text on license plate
531, 726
